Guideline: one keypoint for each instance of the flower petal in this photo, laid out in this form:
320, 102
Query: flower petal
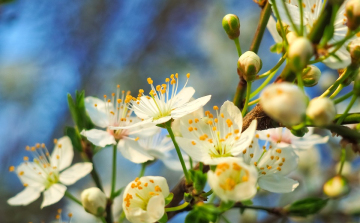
63, 153
229, 111
132, 151
277, 184
53, 194
75, 172
156, 207
196, 152
190, 107
271, 26
29, 174
162, 120
309, 142
99, 137
245, 139
182, 97
25, 197
97, 113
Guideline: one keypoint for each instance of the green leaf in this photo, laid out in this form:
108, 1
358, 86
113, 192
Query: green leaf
247, 202
78, 111
169, 198
199, 180
226, 205
306, 206
277, 48
164, 218
74, 137
203, 213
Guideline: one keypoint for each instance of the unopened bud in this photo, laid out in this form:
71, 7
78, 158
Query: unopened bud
231, 25
249, 65
300, 52
285, 26
291, 37
352, 9
336, 187
284, 102
357, 84
321, 111
354, 49
310, 76
94, 201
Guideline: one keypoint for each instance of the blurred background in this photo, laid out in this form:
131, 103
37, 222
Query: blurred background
51, 48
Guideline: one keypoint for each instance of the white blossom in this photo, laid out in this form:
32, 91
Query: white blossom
214, 138
94, 201
321, 111
233, 180
48, 174
144, 199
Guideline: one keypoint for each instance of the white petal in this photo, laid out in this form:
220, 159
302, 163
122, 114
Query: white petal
271, 26
75, 173
132, 151
309, 142
190, 107
232, 112
136, 124
97, 114
99, 137
63, 153
245, 139
182, 97
162, 120
30, 174
137, 215
294, 12
53, 194
25, 197
277, 184
196, 152
334, 63
156, 207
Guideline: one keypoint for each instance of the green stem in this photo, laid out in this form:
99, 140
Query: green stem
337, 91
290, 18
351, 118
342, 160
191, 163
254, 102
142, 171
103, 220
113, 177
237, 44
168, 127
347, 73
341, 119
344, 97
201, 165
248, 92
277, 14
67, 194
301, 18
300, 80
177, 208
271, 74
210, 192
264, 18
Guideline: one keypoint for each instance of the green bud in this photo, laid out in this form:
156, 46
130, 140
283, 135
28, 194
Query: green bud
249, 65
310, 76
278, 27
300, 52
231, 25
321, 111
94, 201
352, 10
336, 187
357, 84
354, 49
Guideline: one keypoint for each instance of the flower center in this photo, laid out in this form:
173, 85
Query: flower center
233, 175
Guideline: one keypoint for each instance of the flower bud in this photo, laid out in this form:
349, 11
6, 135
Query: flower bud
357, 85
311, 76
291, 37
231, 25
94, 201
300, 52
336, 187
321, 111
354, 49
352, 9
249, 65
284, 102
278, 27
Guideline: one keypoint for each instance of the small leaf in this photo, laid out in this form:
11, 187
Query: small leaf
169, 198
226, 205
164, 218
247, 202
306, 206
74, 137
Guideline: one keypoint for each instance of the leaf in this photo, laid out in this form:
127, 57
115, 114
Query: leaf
74, 137
199, 180
226, 205
78, 111
169, 198
164, 218
203, 213
306, 206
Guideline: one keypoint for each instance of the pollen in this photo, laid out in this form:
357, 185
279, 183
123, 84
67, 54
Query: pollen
70, 214
37, 145
26, 158
278, 150
244, 151
236, 131
193, 142
152, 181
150, 81
188, 75
145, 184
257, 135
136, 179
105, 96
216, 108
222, 115
269, 167
245, 178
25, 184
11, 169
279, 168
27, 148
190, 129
196, 120
214, 128
190, 121
236, 167
251, 155
255, 163
167, 80
21, 173
158, 189
137, 138
268, 135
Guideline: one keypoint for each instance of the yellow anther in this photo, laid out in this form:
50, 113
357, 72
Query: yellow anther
251, 155
216, 120
269, 167
280, 164
112, 113
271, 157
209, 122
191, 129
150, 81
25, 184
172, 76
222, 115
26, 158
276, 157
236, 131
278, 168
57, 157
109, 100
216, 108
152, 181
278, 150
33, 148
119, 100
59, 146
202, 138
245, 178
210, 140
158, 189
42, 145
244, 151
236, 167
167, 80
27, 148
193, 142
113, 94
214, 128
137, 138
158, 87
21, 173
188, 75
70, 214
283, 159
196, 120
257, 135
136, 179
173, 81
190, 121
255, 163
263, 172
37, 145
268, 135
11, 169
